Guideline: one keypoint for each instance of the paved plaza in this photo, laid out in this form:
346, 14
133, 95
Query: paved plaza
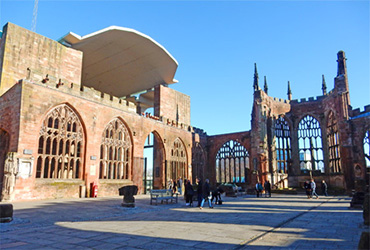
245, 222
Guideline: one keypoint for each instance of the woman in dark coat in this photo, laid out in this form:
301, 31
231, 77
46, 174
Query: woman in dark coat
189, 192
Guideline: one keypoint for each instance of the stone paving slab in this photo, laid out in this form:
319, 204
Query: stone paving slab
246, 222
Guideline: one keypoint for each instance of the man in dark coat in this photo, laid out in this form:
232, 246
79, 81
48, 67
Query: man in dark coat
206, 195
267, 188
307, 187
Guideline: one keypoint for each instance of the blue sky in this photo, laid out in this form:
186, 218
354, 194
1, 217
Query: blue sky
216, 44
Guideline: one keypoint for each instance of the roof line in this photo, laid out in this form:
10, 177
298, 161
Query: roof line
80, 38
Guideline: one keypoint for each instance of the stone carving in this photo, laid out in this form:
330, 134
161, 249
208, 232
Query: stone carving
10, 172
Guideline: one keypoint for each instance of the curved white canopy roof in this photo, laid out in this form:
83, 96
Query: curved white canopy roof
122, 61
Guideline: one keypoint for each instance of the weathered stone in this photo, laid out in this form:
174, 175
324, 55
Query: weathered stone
128, 193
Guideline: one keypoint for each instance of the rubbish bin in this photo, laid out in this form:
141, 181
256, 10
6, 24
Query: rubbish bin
94, 190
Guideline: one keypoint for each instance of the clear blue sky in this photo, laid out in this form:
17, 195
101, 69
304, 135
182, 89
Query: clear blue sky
216, 44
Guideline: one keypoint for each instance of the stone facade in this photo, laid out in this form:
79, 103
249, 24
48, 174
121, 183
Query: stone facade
64, 137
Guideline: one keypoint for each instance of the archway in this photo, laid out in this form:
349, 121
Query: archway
232, 162
153, 169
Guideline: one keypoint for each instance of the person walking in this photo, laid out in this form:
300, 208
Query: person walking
324, 188
199, 190
179, 185
259, 189
267, 186
189, 192
307, 188
313, 189
174, 187
206, 195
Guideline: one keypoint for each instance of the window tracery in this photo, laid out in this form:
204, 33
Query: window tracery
115, 151
310, 145
178, 162
61, 140
333, 144
283, 146
232, 160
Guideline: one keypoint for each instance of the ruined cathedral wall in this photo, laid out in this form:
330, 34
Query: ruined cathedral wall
26, 54
172, 104
215, 142
10, 115
37, 100
359, 124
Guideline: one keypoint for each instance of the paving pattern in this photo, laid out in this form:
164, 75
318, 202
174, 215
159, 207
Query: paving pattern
245, 222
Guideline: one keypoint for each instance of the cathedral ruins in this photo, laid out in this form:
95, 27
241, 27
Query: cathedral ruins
74, 114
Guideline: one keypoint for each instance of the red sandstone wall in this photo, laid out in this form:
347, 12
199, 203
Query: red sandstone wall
22, 49
10, 115
38, 99
172, 104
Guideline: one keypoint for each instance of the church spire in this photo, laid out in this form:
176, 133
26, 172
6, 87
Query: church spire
289, 92
265, 87
255, 82
323, 85
342, 67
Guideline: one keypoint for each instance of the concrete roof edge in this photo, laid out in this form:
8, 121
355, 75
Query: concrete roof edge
74, 38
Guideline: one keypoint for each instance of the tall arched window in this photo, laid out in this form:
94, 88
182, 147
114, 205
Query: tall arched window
367, 148
333, 144
60, 147
283, 146
115, 152
310, 145
178, 162
232, 159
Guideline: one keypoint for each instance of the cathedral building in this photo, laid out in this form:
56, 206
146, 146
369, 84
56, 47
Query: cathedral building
78, 114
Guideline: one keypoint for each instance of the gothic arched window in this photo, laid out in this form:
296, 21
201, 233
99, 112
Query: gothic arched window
367, 148
178, 162
283, 146
333, 144
232, 159
59, 147
310, 145
115, 152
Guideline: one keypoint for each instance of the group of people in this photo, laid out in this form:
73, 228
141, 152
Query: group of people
204, 193
266, 186
310, 187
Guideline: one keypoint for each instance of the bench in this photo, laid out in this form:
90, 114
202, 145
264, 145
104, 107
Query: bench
162, 195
